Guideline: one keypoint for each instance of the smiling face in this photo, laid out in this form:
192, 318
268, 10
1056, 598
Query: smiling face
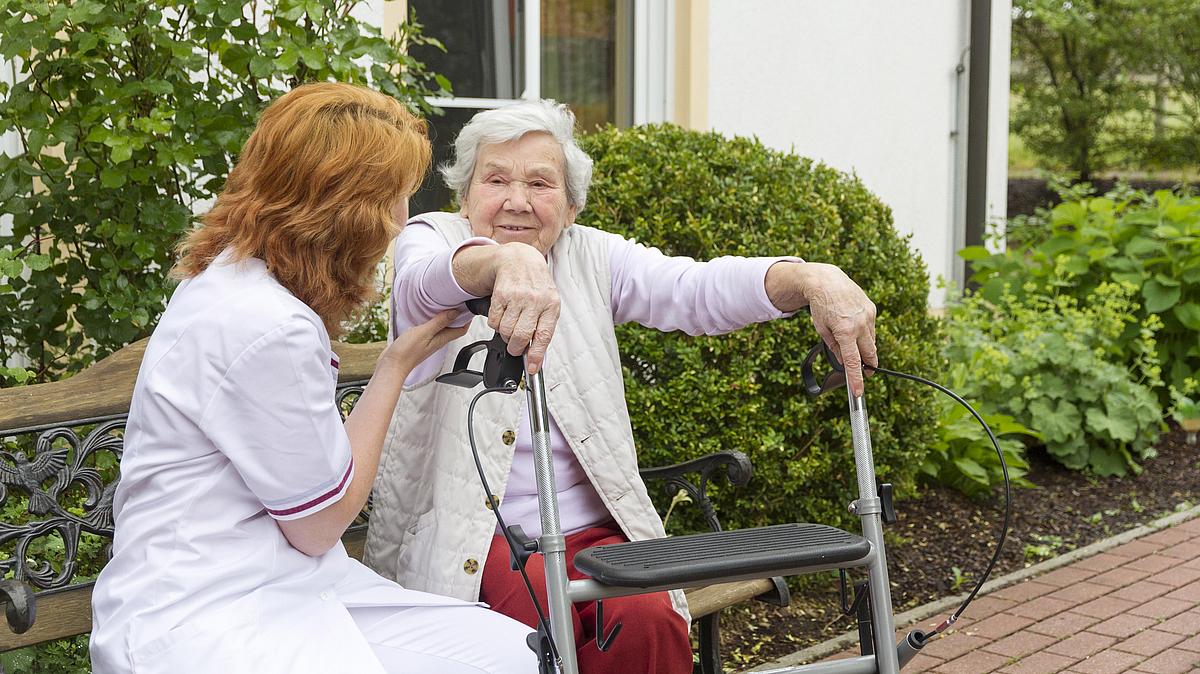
518, 192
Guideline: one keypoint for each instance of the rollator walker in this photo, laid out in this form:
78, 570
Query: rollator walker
701, 559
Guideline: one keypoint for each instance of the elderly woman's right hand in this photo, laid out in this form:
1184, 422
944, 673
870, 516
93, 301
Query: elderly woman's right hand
524, 302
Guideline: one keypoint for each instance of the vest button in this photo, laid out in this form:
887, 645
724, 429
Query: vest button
508, 437
471, 566
492, 503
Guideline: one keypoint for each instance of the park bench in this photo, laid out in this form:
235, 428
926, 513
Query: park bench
62, 442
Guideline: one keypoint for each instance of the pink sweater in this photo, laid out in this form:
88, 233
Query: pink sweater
649, 288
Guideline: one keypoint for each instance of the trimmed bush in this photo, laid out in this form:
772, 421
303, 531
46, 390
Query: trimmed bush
702, 195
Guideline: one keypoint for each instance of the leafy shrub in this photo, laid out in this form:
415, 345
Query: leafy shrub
1058, 364
1150, 242
129, 115
962, 455
702, 195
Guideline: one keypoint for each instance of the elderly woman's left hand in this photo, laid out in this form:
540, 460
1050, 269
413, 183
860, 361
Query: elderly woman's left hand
841, 312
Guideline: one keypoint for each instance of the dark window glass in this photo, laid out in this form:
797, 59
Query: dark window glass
434, 195
483, 45
587, 59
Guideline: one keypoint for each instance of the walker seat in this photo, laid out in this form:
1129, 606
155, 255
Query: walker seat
783, 549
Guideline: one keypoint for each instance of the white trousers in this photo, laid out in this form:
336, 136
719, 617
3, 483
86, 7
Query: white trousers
445, 639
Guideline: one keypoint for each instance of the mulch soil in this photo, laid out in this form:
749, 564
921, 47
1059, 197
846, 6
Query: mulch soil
941, 529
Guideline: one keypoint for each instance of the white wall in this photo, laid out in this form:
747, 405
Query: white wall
864, 86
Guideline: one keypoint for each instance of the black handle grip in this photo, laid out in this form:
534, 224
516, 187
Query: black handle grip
480, 306
837, 374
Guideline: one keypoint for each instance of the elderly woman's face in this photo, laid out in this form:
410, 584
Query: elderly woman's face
518, 192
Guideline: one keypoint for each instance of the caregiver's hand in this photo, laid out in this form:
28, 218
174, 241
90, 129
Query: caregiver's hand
414, 345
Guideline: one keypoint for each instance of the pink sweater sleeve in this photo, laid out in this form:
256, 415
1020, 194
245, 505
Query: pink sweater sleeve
425, 285
679, 293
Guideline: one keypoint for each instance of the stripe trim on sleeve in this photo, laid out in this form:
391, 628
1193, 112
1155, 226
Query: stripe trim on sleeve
337, 491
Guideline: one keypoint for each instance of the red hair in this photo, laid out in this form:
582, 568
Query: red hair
312, 195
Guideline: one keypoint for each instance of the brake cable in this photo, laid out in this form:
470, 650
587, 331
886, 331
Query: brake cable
945, 624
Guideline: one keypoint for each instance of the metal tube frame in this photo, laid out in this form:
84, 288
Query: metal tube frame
562, 592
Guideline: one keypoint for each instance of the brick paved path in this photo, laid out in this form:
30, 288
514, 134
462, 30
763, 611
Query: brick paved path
1133, 608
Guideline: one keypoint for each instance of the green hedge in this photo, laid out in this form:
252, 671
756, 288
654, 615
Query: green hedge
703, 195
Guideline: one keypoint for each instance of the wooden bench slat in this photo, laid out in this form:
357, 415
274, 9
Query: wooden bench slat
60, 614
105, 388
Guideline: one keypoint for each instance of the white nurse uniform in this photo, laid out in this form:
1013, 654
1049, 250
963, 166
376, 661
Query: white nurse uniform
231, 427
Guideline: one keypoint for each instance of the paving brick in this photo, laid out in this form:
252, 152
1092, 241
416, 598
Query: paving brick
1063, 624
1149, 642
1142, 591
1020, 644
921, 663
1169, 536
1107, 662
1192, 644
999, 625
1029, 589
1153, 563
1041, 608
1040, 663
1123, 625
1065, 576
1081, 645
1189, 592
1105, 607
1135, 549
1101, 562
990, 605
955, 645
977, 662
1187, 624
1187, 550
1171, 662
1191, 526
1162, 608
1119, 577
1179, 576
1081, 593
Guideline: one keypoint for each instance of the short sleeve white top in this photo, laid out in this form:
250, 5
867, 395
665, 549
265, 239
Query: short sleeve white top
232, 426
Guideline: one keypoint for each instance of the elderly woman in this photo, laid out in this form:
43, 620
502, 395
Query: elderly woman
521, 180
238, 477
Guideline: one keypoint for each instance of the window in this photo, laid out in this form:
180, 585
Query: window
583, 56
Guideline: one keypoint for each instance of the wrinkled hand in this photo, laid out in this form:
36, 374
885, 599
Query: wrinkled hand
525, 303
419, 342
844, 317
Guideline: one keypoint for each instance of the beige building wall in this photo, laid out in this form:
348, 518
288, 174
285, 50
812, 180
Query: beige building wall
691, 64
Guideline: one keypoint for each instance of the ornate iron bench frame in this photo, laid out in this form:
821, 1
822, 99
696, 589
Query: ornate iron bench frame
70, 424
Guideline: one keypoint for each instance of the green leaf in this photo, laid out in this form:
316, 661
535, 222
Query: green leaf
113, 35
313, 57
1188, 314
112, 177
1159, 297
261, 66
288, 59
970, 253
87, 42
121, 153
37, 262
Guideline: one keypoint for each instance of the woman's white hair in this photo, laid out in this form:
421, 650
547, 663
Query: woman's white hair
510, 123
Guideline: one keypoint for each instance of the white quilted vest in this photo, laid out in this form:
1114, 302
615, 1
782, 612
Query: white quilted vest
430, 527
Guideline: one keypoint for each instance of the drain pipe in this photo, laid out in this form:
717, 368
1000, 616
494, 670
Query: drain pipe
979, 71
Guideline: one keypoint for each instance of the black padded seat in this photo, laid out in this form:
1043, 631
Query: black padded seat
765, 551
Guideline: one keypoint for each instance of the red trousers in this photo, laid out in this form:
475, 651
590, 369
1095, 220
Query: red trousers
654, 638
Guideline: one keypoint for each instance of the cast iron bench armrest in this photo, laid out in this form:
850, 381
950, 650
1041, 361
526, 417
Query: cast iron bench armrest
737, 469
